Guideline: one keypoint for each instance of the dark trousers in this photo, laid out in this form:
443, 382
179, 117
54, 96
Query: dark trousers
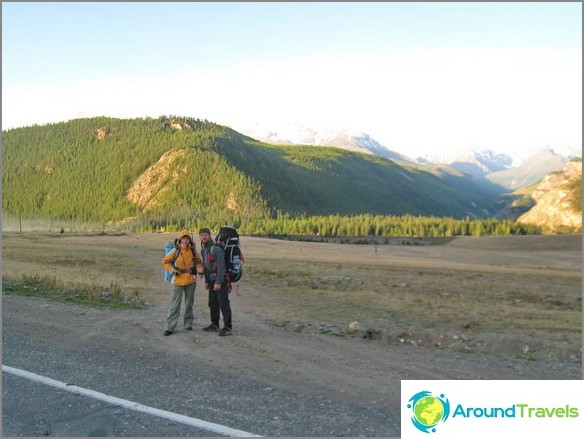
219, 301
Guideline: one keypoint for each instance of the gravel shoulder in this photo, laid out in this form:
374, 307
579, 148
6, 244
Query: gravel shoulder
265, 380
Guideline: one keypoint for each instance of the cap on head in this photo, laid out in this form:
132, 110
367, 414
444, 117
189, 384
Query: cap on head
205, 230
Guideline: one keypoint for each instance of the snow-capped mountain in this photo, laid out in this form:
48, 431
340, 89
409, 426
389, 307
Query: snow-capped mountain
484, 165
473, 161
508, 172
531, 170
296, 134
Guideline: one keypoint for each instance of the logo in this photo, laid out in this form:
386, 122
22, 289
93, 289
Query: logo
428, 410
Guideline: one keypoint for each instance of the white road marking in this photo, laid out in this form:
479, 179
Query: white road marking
209, 426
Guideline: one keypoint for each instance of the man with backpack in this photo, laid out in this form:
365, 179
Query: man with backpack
182, 263
216, 282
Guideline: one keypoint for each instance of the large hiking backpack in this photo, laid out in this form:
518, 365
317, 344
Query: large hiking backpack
170, 246
228, 238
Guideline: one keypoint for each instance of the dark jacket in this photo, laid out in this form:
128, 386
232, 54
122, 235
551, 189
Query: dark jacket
214, 262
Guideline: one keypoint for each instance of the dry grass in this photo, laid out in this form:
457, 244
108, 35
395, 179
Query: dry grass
502, 295
51, 288
472, 292
421, 297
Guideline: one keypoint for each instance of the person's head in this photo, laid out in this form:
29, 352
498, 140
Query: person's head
205, 234
184, 238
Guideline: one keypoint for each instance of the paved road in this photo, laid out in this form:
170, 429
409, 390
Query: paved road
30, 416
35, 409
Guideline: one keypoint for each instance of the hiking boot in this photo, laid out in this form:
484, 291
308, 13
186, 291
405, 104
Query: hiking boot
189, 328
167, 332
225, 331
211, 328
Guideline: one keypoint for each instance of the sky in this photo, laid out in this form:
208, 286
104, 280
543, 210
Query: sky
419, 78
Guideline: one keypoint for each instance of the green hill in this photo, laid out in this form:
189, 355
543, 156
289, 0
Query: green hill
104, 169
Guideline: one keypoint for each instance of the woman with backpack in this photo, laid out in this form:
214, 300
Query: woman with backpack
184, 263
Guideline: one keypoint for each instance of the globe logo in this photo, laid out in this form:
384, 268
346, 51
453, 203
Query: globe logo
428, 410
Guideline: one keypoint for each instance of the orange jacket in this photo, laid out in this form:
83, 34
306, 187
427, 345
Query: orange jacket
188, 259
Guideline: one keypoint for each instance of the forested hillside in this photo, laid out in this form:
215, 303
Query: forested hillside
83, 169
164, 170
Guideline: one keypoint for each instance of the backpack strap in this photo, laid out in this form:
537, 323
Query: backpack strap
211, 258
214, 263
176, 254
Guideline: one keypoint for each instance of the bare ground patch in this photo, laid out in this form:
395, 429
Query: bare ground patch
516, 297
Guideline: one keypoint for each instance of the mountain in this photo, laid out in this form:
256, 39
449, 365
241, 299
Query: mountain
495, 172
482, 163
296, 134
501, 170
530, 171
558, 201
476, 162
163, 170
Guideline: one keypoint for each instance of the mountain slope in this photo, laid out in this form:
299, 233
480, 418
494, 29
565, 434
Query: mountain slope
476, 162
84, 169
296, 134
166, 169
492, 171
530, 171
558, 201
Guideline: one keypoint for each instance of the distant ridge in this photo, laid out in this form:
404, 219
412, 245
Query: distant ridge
296, 134
487, 167
530, 171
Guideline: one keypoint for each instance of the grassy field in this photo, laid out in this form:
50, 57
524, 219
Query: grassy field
518, 295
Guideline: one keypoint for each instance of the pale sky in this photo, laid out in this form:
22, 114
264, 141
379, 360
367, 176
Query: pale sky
416, 77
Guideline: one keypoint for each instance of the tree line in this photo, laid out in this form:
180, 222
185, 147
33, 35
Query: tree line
353, 226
